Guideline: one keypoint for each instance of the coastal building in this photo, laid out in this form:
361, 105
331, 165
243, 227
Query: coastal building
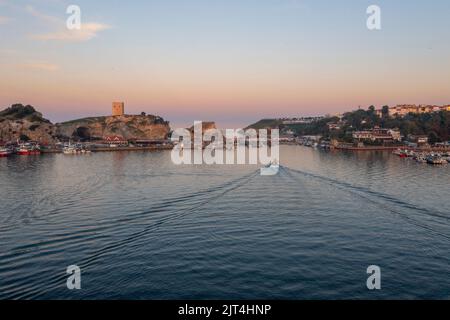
378, 134
418, 139
115, 141
334, 125
118, 109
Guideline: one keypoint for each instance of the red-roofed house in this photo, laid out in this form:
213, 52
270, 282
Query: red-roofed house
115, 140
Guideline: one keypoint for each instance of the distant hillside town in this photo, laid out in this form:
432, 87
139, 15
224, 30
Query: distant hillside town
414, 125
398, 110
403, 110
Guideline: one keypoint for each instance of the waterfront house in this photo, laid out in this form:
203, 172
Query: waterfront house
334, 125
115, 141
378, 134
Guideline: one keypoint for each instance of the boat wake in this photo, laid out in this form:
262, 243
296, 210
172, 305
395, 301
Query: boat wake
195, 200
382, 201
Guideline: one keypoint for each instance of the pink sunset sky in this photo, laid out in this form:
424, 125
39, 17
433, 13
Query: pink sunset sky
233, 62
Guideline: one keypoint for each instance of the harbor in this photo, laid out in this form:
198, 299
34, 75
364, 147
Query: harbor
421, 156
33, 149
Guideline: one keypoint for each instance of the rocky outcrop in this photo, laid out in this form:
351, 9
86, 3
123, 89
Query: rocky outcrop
129, 127
24, 123
21, 122
207, 125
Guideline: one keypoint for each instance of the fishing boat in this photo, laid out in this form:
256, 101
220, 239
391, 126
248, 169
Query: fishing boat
69, 150
28, 149
4, 152
271, 169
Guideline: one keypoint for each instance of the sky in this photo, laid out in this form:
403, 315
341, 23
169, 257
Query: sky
229, 61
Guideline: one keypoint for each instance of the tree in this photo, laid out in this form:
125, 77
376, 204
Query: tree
433, 138
385, 111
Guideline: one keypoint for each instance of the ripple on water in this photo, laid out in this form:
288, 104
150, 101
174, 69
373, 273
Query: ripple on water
163, 231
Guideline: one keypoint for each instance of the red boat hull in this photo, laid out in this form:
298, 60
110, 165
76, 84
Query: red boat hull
28, 153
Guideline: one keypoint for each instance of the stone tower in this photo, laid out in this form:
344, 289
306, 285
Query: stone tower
118, 109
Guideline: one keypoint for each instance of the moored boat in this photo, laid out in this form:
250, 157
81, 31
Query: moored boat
421, 159
28, 149
402, 153
75, 150
69, 150
433, 159
4, 152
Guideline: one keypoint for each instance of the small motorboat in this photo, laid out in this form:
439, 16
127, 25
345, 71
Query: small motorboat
401, 153
75, 150
436, 160
271, 169
69, 150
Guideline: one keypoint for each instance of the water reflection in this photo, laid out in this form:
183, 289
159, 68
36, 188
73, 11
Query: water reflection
164, 231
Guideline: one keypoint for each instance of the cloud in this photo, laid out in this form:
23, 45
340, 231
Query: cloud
38, 66
88, 31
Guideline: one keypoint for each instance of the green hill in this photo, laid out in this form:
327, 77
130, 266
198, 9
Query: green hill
266, 124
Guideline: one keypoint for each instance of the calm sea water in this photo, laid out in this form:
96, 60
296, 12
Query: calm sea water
140, 227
